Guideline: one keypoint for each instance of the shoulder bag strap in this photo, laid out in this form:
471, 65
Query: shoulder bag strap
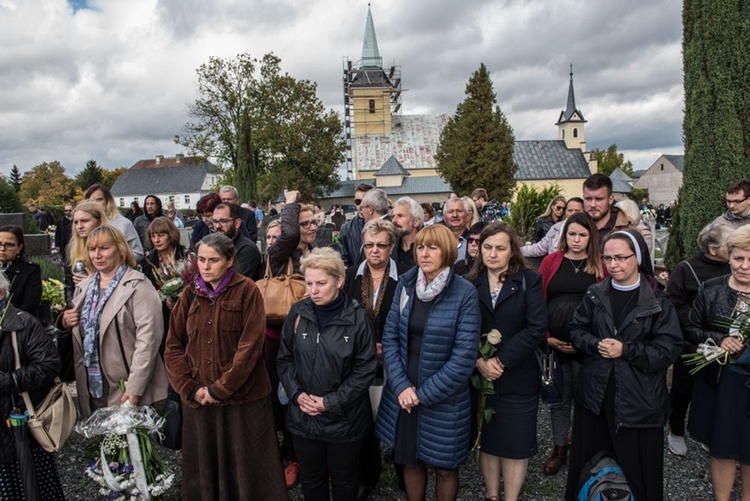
289, 267
25, 394
122, 348
695, 275
267, 274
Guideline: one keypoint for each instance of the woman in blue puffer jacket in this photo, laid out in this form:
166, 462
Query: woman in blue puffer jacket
430, 344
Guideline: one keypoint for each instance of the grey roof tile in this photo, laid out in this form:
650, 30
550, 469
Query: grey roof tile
549, 160
182, 178
392, 167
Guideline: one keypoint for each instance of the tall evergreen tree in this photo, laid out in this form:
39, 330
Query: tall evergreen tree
476, 145
716, 128
91, 174
15, 178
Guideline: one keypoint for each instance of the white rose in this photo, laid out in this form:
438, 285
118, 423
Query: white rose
494, 337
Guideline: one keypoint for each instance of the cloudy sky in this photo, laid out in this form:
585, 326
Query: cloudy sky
110, 80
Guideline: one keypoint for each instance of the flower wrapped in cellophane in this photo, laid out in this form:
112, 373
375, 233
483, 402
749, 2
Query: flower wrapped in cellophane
171, 278
128, 466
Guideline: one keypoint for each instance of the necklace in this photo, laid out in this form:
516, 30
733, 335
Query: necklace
499, 282
580, 265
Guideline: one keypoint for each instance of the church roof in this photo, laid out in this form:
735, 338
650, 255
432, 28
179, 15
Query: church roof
549, 159
392, 167
413, 141
411, 186
370, 53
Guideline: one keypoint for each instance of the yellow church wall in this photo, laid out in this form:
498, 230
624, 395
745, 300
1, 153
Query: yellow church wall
371, 121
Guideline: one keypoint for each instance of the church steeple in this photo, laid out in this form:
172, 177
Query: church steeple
370, 53
570, 125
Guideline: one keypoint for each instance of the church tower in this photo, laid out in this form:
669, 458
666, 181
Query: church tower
571, 122
372, 93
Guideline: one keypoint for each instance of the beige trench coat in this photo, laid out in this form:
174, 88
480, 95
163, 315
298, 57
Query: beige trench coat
137, 307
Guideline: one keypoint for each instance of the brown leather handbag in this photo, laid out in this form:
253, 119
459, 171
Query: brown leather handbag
280, 293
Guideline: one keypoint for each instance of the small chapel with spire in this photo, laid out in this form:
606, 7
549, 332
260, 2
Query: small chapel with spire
395, 151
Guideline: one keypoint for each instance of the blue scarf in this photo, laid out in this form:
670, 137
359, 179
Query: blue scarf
91, 314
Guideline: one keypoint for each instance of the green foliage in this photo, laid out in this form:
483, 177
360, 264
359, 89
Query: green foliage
269, 128
675, 248
110, 176
530, 203
476, 145
91, 174
15, 178
10, 202
46, 183
637, 194
716, 125
609, 160
50, 269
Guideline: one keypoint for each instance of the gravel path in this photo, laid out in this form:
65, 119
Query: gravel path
684, 478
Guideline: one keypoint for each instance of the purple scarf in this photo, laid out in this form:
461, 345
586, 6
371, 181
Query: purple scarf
204, 288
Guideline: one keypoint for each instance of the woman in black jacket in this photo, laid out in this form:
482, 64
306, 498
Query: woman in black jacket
511, 301
720, 414
40, 363
628, 336
25, 277
372, 283
326, 363
554, 213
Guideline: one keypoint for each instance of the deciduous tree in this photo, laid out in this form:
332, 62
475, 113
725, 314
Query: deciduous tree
476, 145
608, 160
268, 128
110, 176
46, 183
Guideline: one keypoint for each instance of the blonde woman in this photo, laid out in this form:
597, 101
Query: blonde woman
554, 213
101, 194
86, 217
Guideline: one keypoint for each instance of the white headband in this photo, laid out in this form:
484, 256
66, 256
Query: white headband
635, 244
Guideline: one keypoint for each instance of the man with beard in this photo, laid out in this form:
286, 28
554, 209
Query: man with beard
226, 220
152, 209
489, 211
455, 217
598, 202
249, 226
407, 217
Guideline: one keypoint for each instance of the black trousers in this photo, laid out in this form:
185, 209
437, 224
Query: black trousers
318, 460
638, 451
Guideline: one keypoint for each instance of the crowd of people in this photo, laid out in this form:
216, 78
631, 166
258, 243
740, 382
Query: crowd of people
381, 352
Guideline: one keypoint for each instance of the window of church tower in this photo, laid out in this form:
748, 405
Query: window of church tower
563, 133
372, 106
575, 132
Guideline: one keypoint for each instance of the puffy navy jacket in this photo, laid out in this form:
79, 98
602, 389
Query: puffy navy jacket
447, 357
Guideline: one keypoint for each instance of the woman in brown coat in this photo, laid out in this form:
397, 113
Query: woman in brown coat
213, 356
117, 328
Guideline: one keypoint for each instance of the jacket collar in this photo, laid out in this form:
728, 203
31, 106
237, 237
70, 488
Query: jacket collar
392, 271
126, 288
647, 302
513, 283
345, 317
236, 278
12, 321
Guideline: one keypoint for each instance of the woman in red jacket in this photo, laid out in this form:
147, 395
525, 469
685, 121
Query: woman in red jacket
566, 274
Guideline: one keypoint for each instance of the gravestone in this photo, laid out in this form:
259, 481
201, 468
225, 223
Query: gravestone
36, 244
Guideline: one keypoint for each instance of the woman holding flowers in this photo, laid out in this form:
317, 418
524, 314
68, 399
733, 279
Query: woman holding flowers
720, 413
566, 274
511, 302
25, 277
117, 328
628, 335
430, 341
214, 360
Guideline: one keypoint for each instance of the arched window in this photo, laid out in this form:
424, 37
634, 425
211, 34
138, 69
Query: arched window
563, 133
372, 106
575, 132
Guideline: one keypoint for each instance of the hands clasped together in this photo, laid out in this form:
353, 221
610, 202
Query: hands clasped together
310, 404
610, 348
490, 369
408, 399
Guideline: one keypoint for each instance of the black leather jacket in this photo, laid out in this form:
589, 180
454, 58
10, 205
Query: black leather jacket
711, 311
652, 341
40, 363
337, 363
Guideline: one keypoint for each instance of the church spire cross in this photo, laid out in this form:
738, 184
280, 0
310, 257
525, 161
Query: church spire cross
571, 106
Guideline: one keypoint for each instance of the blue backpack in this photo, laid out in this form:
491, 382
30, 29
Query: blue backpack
602, 479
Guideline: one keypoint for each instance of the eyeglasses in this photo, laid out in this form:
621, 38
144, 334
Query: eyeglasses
357, 201
616, 259
736, 202
8, 245
473, 240
559, 207
222, 221
307, 224
372, 245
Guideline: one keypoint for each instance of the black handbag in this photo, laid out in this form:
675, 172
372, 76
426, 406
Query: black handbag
551, 383
172, 414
